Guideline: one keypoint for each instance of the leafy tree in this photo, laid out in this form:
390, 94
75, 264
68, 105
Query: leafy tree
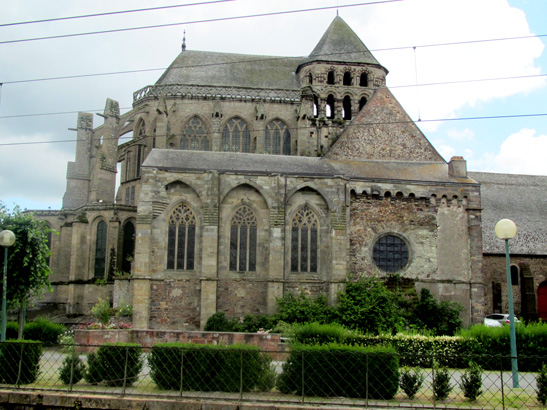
368, 305
442, 318
28, 268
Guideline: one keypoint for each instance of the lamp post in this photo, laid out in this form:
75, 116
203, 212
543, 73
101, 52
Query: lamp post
506, 229
7, 238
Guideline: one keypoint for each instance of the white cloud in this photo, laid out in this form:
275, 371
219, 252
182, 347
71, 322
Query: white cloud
520, 153
446, 151
461, 135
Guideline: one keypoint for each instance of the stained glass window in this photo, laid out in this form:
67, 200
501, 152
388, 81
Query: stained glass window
278, 138
181, 239
100, 250
304, 240
390, 253
236, 136
243, 240
195, 136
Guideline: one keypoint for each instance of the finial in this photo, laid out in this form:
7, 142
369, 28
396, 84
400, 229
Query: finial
184, 41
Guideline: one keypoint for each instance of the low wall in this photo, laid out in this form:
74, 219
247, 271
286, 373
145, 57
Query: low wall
147, 338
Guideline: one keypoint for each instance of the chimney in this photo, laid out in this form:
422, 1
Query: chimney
457, 167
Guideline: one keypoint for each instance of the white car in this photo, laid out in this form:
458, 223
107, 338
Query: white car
498, 320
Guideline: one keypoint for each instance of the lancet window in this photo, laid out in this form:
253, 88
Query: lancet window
236, 136
100, 250
278, 138
195, 136
243, 240
304, 240
181, 240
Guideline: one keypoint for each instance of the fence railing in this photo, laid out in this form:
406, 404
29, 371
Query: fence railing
248, 374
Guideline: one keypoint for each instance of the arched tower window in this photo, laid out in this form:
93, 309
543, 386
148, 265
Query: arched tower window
100, 250
128, 246
346, 106
315, 106
195, 136
278, 138
362, 103
363, 81
330, 77
310, 79
304, 240
181, 238
236, 136
243, 240
330, 107
347, 78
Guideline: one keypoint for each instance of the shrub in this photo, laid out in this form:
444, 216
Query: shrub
442, 318
441, 382
44, 330
542, 385
125, 310
20, 361
207, 367
12, 330
411, 381
120, 363
340, 370
315, 333
303, 309
101, 310
471, 382
72, 369
218, 322
253, 324
93, 371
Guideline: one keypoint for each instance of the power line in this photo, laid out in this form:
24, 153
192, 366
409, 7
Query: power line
110, 13
276, 13
496, 117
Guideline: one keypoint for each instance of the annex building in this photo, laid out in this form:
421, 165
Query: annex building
243, 178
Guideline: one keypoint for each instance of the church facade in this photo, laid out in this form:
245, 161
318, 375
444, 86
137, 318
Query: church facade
243, 178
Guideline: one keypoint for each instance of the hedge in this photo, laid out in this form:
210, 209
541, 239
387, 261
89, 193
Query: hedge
20, 361
334, 370
207, 367
119, 363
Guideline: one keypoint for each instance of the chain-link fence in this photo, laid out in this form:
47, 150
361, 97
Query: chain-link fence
244, 373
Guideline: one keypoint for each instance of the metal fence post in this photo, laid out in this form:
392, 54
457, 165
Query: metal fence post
240, 375
366, 379
302, 376
71, 358
502, 389
181, 369
125, 370
17, 383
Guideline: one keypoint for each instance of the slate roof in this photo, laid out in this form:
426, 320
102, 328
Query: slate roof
341, 44
201, 161
520, 198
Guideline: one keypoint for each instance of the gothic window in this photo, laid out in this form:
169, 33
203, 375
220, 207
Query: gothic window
139, 160
181, 238
315, 106
310, 79
330, 107
195, 136
330, 77
514, 275
363, 81
347, 78
362, 103
390, 253
243, 240
236, 136
304, 240
100, 250
278, 138
127, 196
346, 107
128, 246
141, 130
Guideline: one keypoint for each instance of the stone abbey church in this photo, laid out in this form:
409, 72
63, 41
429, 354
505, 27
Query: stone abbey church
243, 178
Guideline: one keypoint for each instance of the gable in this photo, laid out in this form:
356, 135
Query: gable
383, 131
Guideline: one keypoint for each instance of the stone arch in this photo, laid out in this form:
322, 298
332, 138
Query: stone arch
331, 76
99, 244
251, 184
235, 135
348, 78
174, 186
196, 134
309, 186
127, 248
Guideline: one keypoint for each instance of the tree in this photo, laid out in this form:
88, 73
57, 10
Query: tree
368, 305
442, 318
28, 266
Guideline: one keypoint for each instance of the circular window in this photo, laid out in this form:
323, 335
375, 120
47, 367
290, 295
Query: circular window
390, 253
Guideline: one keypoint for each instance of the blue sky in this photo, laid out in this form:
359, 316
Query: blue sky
33, 175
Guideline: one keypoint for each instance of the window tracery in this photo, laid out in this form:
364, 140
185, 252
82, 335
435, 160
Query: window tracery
181, 238
243, 240
278, 138
236, 136
304, 240
195, 136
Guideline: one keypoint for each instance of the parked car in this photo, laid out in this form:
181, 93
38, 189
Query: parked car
498, 319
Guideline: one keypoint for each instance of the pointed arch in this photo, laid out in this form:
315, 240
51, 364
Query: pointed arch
304, 241
99, 269
140, 129
236, 136
195, 135
128, 246
181, 238
278, 138
243, 240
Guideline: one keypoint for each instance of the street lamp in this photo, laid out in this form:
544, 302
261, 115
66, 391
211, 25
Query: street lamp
506, 229
7, 238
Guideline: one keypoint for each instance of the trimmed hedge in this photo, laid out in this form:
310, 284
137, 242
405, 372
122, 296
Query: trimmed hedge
20, 361
44, 330
119, 363
335, 370
207, 367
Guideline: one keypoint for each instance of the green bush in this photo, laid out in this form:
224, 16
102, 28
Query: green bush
218, 322
411, 381
12, 330
207, 367
441, 318
120, 363
93, 371
44, 330
340, 370
20, 361
471, 382
253, 324
315, 333
441, 383
304, 309
541, 382
72, 369
102, 312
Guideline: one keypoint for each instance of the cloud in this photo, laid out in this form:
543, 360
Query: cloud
461, 135
521, 153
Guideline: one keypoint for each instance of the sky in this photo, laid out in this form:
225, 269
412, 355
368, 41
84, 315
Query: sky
471, 73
